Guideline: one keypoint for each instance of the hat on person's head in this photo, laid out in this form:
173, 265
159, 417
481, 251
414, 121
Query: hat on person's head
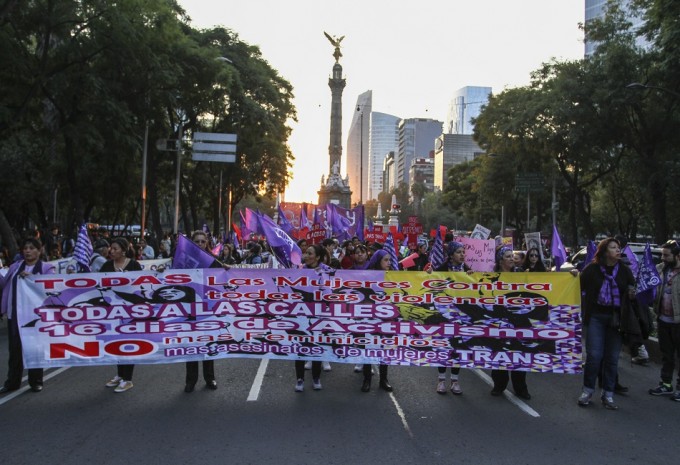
453, 246
100, 244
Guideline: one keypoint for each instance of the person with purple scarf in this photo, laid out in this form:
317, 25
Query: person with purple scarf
607, 288
29, 265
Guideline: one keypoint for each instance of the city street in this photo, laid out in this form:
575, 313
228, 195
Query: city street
255, 417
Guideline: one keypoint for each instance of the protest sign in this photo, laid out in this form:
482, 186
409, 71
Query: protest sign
511, 321
480, 255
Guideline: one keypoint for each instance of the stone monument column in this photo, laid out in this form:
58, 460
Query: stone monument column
335, 189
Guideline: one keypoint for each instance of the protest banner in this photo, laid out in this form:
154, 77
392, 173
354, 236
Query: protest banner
513, 321
480, 254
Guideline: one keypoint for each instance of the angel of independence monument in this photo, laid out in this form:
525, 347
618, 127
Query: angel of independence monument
334, 189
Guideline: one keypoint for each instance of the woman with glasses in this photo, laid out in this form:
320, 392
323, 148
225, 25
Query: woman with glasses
532, 261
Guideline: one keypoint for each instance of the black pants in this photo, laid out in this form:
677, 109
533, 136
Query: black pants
382, 369
16, 362
125, 371
208, 371
669, 345
454, 370
300, 369
501, 377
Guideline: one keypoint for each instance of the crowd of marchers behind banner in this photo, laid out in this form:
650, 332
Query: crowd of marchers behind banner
611, 312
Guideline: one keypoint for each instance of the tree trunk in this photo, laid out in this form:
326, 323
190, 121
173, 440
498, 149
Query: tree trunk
7, 236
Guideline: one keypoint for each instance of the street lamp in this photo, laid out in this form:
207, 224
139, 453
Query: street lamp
639, 86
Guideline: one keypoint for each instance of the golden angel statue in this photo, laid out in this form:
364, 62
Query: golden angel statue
336, 43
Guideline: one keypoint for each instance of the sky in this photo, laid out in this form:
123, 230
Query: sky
413, 55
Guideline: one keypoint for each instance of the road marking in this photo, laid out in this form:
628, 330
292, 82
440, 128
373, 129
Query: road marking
508, 395
400, 412
20, 391
257, 382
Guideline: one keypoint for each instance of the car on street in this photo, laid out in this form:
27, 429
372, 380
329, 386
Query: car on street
638, 248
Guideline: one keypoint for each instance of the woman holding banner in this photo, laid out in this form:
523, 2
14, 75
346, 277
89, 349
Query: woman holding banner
379, 261
29, 265
200, 238
505, 263
455, 263
607, 287
314, 257
119, 262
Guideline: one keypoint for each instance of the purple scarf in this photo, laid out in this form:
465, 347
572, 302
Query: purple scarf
609, 292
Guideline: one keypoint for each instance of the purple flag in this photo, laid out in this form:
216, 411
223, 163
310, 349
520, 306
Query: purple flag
437, 253
590, 254
557, 249
283, 222
304, 221
338, 221
370, 225
251, 223
83, 249
632, 260
245, 231
316, 217
283, 246
647, 279
189, 256
392, 251
359, 214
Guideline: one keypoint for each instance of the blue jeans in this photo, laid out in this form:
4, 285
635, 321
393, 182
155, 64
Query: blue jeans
603, 345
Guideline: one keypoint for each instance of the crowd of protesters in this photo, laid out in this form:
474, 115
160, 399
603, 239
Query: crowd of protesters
609, 311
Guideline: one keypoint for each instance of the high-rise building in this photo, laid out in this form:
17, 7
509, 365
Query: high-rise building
597, 8
421, 171
465, 104
384, 138
358, 147
389, 172
451, 150
416, 140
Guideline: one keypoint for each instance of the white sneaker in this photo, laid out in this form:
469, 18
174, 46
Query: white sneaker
326, 366
124, 386
308, 365
642, 357
441, 386
300, 385
317, 384
455, 388
114, 382
358, 368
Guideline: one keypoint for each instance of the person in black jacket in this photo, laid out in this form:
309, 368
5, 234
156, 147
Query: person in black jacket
607, 288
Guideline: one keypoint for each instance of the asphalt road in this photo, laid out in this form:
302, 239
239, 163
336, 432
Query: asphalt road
258, 419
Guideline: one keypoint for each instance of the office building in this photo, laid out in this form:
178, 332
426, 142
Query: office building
465, 104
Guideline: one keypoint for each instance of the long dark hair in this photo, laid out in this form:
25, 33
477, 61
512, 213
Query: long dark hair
321, 252
540, 266
601, 251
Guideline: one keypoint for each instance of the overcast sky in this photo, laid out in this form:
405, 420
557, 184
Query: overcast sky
413, 55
